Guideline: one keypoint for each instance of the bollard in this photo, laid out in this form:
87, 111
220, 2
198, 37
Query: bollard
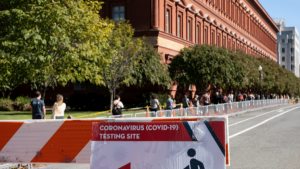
147, 112
181, 109
191, 106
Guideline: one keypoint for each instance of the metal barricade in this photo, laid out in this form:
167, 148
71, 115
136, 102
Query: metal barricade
227, 108
252, 104
179, 112
212, 110
121, 116
221, 109
234, 107
145, 114
195, 111
240, 106
164, 113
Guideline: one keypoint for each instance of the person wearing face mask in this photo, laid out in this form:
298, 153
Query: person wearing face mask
37, 105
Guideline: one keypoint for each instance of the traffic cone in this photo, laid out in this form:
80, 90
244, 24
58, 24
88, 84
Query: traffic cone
217, 111
174, 114
181, 109
223, 109
147, 112
191, 106
160, 112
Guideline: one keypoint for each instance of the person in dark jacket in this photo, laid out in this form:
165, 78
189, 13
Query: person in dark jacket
218, 98
185, 102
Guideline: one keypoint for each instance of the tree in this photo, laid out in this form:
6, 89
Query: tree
149, 69
206, 66
12, 73
132, 61
55, 41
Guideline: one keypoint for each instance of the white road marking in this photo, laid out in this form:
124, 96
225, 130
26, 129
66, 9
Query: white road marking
251, 118
250, 128
279, 110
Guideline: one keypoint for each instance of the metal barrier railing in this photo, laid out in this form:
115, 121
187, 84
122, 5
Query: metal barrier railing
234, 108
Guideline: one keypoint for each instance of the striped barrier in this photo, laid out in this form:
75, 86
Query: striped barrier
59, 141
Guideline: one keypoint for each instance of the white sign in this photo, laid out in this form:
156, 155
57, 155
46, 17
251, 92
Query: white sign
158, 145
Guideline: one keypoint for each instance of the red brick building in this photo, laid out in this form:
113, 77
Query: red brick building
171, 25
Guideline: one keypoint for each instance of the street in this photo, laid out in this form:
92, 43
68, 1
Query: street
264, 139
271, 140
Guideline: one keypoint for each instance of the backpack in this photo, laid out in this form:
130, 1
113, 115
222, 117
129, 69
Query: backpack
185, 102
116, 110
241, 97
225, 99
206, 101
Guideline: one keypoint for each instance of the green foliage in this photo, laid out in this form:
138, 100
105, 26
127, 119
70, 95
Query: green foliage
204, 66
2, 108
132, 61
50, 42
22, 100
150, 68
6, 104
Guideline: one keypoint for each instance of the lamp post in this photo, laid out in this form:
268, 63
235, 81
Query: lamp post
260, 75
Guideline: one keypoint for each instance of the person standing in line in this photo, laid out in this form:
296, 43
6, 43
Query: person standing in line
205, 100
244, 97
196, 101
169, 107
154, 104
229, 98
38, 109
271, 96
240, 97
59, 107
185, 102
232, 97
218, 98
117, 106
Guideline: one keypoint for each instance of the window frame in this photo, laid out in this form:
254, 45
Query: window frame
168, 25
179, 25
112, 11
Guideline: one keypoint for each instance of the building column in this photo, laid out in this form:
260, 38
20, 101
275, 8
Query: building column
155, 14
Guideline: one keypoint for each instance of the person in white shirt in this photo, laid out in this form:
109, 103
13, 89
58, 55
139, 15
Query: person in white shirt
117, 106
59, 107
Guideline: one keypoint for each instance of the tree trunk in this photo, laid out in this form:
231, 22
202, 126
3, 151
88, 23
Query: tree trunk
111, 99
43, 90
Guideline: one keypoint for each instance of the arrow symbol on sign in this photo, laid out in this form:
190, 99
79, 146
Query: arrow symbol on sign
127, 166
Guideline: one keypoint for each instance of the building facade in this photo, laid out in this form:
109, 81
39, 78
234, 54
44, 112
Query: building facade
288, 47
170, 25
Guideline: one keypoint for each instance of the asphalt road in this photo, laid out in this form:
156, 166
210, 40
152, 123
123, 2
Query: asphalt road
264, 139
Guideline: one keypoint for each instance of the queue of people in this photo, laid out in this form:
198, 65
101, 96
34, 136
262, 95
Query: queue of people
38, 109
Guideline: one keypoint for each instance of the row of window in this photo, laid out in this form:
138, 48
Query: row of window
289, 40
292, 67
261, 35
239, 15
283, 50
283, 59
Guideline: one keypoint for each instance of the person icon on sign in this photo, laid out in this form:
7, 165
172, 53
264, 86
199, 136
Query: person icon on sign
193, 162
